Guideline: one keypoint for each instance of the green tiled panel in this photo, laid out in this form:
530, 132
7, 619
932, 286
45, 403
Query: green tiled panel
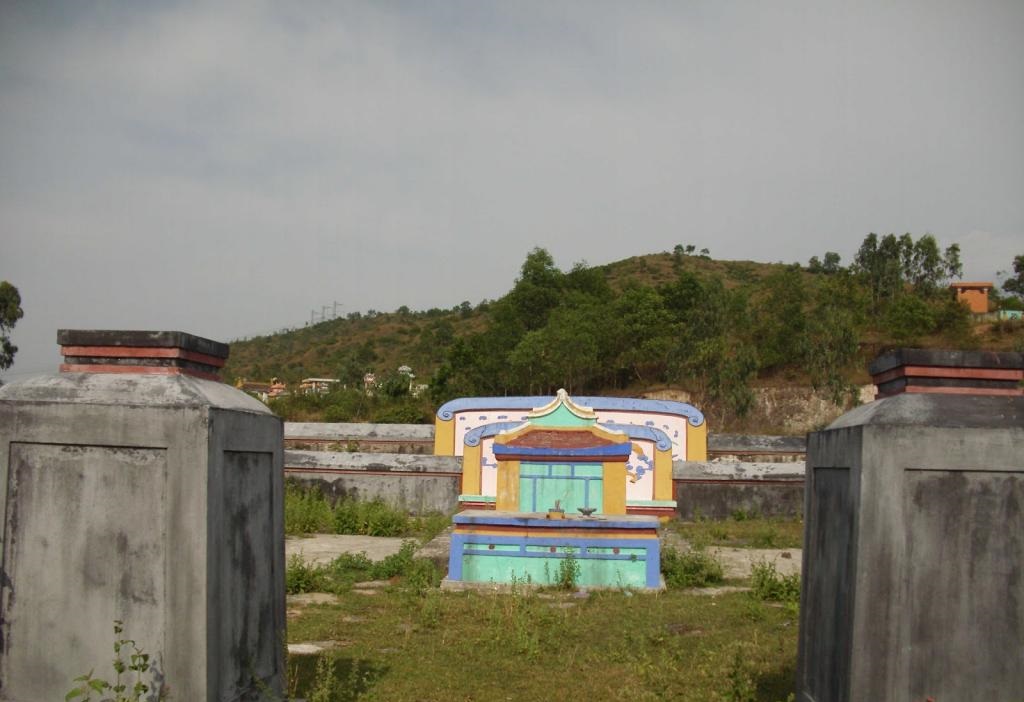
594, 573
570, 494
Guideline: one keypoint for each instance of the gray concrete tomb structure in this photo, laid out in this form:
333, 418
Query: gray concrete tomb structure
138, 488
914, 537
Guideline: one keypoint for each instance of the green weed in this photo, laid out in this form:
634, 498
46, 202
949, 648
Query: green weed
136, 666
348, 569
308, 511
693, 568
768, 584
568, 571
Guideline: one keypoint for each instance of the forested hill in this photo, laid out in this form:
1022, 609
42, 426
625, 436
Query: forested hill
684, 319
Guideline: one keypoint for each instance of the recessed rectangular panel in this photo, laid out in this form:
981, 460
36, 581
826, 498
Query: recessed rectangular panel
965, 546
84, 544
829, 582
246, 574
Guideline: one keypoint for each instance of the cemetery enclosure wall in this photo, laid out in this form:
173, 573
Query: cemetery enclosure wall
431, 483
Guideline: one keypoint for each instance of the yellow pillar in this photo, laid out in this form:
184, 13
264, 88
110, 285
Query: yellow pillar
614, 488
471, 468
697, 442
444, 437
663, 474
507, 499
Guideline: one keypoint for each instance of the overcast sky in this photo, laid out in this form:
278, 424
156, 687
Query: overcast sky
224, 168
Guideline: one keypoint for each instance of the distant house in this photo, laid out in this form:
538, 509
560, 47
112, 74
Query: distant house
277, 389
317, 386
261, 391
974, 294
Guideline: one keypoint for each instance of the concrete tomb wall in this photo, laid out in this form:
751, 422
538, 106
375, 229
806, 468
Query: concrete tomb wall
138, 490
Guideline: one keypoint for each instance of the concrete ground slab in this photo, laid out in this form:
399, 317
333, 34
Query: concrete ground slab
321, 549
738, 562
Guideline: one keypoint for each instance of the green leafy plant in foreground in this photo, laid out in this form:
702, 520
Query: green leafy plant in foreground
693, 568
122, 689
768, 584
568, 571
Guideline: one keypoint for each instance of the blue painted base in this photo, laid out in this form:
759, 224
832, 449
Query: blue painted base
505, 547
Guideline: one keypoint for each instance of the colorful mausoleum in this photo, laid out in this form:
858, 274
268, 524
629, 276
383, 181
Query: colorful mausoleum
659, 432
555, 484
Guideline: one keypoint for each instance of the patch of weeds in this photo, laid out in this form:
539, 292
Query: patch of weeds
568, 571
301, 577
329, 677
741, 682
768, 537
372, 518
693, 568
430, 610
306, 511
325, 682
768, 584
349, 568
421, 575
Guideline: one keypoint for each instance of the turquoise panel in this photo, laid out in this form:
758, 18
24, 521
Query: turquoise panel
491, 547
544, 571
571, 485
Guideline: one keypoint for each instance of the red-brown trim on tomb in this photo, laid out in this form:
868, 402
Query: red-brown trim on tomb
350, 471
560, 439
555, 458
651, 511
142, 352
947, 390
564, 529
470, 504
147, 370
948, 372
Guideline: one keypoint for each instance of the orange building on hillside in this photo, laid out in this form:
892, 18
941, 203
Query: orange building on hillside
974, 294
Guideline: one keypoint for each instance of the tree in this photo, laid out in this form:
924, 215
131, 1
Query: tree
10, 313
1015, 285
538, 289
833, 331
780, 322
891, 265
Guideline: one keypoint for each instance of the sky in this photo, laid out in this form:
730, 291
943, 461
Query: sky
225, 168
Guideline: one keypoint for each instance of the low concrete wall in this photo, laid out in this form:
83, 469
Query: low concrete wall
363, 438
719, 489
395, 465
757, 447
417, 483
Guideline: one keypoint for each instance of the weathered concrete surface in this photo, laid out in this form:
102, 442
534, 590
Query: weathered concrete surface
321, 549
717, 489
913, 553
364, 438
737, 470
756, 447
155, 500
419, 484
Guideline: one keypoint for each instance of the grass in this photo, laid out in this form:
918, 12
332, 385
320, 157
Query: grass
743, 531
308, 511
402, 645
412, 641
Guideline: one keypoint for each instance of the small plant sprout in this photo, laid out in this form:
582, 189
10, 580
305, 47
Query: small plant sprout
136, 667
